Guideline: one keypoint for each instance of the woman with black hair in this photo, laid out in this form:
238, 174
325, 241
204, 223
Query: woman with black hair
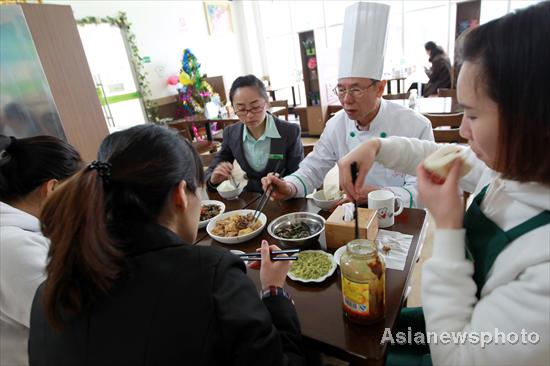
30, 170
440, 72
123, 288
486, 288
261, 144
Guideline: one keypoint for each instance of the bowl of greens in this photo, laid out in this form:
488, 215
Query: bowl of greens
297, 229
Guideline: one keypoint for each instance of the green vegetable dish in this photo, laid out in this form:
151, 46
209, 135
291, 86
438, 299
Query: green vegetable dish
311, 265
295, 230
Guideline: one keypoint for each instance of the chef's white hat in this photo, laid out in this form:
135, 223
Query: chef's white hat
364, 41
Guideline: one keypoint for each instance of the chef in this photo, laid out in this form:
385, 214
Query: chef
365, 115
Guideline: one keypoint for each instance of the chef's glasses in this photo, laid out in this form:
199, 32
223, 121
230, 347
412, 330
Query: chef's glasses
354, 92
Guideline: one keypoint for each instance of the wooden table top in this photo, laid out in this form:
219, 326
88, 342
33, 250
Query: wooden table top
435, 105
319, 305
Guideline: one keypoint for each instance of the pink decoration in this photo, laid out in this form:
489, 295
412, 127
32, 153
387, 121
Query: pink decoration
173, 80
312, 63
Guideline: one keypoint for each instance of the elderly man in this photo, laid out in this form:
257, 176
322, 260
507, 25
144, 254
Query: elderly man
365, 114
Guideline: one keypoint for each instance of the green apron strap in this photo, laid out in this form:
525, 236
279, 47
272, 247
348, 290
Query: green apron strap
533, 223
486, 240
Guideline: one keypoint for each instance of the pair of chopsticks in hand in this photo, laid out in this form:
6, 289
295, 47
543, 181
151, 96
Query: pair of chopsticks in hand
264, 198
257, 256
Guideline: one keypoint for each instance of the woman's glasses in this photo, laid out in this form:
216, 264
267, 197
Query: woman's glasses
241, 111
355, 92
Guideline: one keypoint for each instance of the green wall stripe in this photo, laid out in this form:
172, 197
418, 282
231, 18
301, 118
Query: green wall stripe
118, 98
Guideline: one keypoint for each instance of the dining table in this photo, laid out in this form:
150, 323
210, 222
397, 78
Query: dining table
432, 105
319, 305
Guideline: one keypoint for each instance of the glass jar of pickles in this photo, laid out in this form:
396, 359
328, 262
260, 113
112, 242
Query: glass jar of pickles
363, 282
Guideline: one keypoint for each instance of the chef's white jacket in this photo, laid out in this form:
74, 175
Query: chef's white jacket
341, 136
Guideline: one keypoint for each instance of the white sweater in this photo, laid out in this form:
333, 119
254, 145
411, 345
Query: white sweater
516, 295
23, 256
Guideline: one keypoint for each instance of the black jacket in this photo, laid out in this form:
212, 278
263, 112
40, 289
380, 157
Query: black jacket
440, 74
175, 305
289, 146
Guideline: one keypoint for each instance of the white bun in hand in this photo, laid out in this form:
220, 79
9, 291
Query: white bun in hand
439, 163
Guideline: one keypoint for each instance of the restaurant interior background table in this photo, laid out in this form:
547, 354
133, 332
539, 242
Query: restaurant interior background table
187, 123
435, 105
319, 305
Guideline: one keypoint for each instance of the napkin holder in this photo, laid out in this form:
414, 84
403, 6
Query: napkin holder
339, 232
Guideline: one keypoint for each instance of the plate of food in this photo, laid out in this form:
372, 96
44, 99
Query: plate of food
209, 210
312, 266
236, 227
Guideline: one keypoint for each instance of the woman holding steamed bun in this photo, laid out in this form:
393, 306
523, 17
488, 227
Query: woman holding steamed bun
491, 264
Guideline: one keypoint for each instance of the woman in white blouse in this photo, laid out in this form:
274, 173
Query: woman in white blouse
30, 169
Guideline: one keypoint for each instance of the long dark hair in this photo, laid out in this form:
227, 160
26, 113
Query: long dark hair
434, 49
81, 218
514, 60
25, 164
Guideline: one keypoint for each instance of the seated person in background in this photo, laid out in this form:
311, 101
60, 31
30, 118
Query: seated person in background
261, 143
440, 72
30, 169
490, 269
365, 116
124, 288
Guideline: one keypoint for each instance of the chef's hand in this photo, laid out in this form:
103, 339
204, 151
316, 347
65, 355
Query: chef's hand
221, 172
442, 200
362, 197
364, 155
280, 189
272, 273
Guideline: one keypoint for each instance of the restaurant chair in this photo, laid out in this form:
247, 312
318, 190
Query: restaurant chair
206, 159
218, 85
446, 127
279, 108
396, 96
332, 109
308, 149
446, 92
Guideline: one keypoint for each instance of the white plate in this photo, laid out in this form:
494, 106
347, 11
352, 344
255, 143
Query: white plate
211, 202
320, 279
338, 254
235, 239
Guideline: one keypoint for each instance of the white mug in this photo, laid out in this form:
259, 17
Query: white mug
384, 202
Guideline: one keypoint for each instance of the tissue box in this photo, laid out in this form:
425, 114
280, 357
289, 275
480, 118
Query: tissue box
339, 232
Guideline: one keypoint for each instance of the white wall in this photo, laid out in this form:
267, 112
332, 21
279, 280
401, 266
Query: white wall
163, 29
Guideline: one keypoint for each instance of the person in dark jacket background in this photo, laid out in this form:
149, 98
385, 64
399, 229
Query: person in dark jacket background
440, 72
261, 144
122, 286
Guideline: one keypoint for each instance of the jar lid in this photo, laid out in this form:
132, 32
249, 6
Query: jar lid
363, 247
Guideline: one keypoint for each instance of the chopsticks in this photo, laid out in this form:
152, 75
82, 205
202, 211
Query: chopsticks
356, 213
256, 256
233, 181
264, 198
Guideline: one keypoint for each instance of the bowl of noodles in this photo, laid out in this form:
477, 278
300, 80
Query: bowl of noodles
236, 227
